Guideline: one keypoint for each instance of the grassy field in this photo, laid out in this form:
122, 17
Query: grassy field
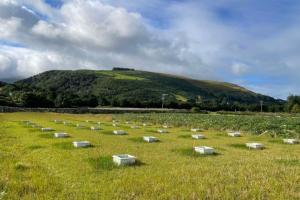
34, 165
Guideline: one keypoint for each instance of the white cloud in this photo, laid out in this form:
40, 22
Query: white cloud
240, 69
8, 2
9, 27
101, 34
5, 63
104, 35
20, 62
46, 29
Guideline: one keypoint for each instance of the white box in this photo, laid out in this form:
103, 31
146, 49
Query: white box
95, 128
80, 144
235, 134
80, 126
291, 141
166, 126
135, 127
61, 135
198, 136
47, 129
147, 124
28, 123
162, 131
124, 159
119, 132
204, 150
196, 129
67, 123
150, 139
255, 145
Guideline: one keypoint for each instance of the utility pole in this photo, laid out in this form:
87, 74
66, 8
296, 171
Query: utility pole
163, 100
261, 106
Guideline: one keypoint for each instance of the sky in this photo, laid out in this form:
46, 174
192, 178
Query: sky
252, 43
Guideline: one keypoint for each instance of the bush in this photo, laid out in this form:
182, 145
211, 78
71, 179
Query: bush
195, 110
295, 108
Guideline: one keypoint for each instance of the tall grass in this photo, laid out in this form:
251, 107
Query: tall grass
35, 165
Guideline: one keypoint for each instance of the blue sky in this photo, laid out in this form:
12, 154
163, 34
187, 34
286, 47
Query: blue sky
54, 3
252, 43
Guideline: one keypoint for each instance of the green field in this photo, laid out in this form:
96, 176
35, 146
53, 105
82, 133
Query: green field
35, 165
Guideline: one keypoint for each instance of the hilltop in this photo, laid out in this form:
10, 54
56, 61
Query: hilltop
131, 88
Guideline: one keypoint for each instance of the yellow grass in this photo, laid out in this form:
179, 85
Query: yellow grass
36, 166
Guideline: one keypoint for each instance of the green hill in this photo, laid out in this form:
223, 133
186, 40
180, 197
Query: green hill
2, 84
4, 98
129, 88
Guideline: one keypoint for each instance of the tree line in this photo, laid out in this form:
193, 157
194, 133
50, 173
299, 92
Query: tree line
48, 99
293, 104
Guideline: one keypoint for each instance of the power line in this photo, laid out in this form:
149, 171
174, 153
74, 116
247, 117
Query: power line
261, 106
163, 99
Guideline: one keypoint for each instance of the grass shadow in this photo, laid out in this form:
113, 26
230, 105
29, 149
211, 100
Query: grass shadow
186, 136
70, 125
243, 146
220, 148
83, 128
34, 147
152, 131
106, 163
111, 133
189, 136
257, 138
106, 132
276, 141
221, 134
64, 145
21, 166
69, 146
239, 146
191, 153
137, 140
102, 163
288, 162
46, 135
138, 163
33, 130
141, 140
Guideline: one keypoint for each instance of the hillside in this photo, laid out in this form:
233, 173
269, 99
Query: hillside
131, 89
4, 100
2, 84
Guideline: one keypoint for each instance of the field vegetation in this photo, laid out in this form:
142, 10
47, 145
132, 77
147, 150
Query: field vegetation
35, 165
272, 125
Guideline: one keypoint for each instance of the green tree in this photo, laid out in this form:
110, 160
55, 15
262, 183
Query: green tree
32, 99
296, 108
292, 100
